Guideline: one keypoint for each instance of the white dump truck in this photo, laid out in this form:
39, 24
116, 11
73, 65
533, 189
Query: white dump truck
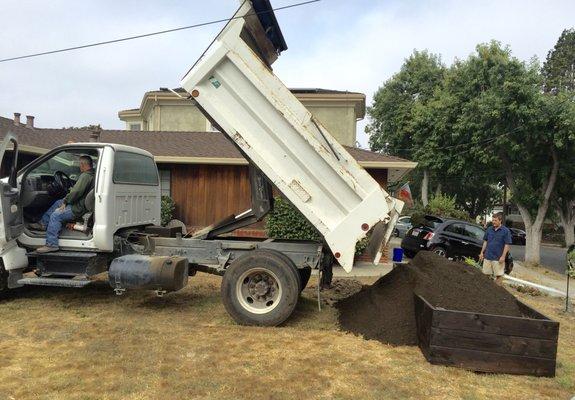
234, 86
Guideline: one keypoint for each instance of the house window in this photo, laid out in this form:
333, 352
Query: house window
165, 182
136, 127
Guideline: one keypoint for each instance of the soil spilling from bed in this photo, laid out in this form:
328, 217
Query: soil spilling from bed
385, 311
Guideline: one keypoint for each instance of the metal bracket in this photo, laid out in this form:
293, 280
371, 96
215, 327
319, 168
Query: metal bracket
119, 291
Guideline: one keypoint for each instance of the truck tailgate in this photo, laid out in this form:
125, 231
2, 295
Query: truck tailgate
236, 88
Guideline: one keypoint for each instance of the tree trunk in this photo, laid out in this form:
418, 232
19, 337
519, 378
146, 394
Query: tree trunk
533, 244
567, 221
425, 188
438, 189
569, 230
534, 228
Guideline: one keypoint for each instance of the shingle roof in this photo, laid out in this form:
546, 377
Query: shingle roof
159, 143
293, 90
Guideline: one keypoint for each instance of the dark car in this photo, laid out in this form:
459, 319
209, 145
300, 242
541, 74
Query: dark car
518, 236
450, 238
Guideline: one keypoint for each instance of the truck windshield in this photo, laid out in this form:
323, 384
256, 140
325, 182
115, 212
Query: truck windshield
67, 161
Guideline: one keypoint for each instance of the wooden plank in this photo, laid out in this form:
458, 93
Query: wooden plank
502, 325
423, 318
491, 362
504, 344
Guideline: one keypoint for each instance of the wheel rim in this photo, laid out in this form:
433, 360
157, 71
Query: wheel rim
258, 290
439, 251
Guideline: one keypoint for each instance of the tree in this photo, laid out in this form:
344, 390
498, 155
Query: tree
396, 115
559, 68
559, 75
514, 129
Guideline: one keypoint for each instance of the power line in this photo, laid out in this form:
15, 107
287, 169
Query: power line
461, 144
152, 33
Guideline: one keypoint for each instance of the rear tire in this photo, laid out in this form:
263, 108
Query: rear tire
440, 251
260, 288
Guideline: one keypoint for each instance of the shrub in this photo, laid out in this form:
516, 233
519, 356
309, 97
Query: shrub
440, 205
167, 209
286, 222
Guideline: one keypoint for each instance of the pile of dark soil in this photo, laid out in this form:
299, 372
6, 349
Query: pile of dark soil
385, 311
339, 289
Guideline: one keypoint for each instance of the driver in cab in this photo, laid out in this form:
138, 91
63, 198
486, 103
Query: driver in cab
67, 209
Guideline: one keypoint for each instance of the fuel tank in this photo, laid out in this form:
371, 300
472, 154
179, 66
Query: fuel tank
136, 271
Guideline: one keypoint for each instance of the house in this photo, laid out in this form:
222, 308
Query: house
165, 110
200, 169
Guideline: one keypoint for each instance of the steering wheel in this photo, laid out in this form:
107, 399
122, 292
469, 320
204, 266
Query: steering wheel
62, 181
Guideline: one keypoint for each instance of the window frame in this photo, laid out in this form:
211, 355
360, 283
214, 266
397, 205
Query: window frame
117, 182
459, 225
167, 171
469, 226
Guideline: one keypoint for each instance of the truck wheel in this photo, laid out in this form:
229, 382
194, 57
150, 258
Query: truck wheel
304, 275
260, 288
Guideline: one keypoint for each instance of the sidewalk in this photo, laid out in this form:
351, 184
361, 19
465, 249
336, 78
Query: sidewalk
544, 277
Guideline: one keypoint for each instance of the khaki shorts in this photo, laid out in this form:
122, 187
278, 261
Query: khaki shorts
493, 268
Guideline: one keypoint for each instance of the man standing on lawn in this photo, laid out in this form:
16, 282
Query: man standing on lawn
496, 243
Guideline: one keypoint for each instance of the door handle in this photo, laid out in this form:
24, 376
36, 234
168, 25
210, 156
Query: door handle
463, 242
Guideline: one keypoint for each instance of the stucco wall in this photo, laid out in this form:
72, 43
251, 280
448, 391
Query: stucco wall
181, 118
339, 121
163, 115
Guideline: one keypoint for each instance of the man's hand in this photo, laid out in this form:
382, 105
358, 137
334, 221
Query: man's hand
502, 259
481, 256
62, 207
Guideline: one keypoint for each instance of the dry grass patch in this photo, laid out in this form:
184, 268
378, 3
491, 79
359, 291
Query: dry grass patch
89, 344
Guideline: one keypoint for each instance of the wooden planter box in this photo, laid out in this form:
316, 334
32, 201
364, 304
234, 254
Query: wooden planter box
488, 343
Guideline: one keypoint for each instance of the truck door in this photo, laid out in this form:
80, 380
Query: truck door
11, 220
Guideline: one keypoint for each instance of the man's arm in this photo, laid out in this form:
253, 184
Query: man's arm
482, 250
505, 251
506, 248
78, 190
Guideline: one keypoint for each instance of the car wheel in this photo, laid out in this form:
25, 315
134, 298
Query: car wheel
440, 251
508, 267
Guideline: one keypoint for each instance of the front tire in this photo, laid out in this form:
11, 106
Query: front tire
260, 288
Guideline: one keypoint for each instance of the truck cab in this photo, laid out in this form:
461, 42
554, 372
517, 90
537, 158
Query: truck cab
126, 194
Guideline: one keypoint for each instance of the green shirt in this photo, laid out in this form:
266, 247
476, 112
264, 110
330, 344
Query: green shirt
78, 193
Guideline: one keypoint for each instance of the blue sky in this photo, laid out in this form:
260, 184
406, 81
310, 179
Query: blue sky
336, 44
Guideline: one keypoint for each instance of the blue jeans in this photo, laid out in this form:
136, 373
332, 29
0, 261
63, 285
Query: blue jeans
53, 220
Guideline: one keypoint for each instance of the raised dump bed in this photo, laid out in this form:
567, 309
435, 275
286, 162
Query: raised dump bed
488, 343
234, 86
